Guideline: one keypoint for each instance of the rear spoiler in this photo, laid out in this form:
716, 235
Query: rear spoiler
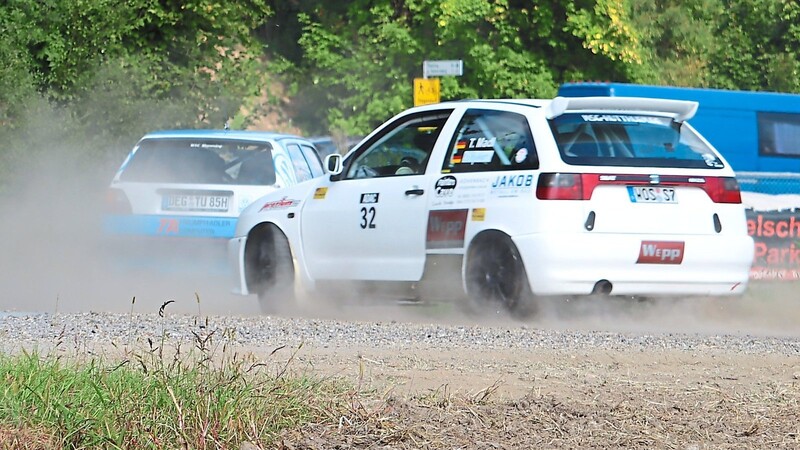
681, 110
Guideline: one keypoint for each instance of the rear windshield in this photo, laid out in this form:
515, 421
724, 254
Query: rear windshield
201, 161
630, 140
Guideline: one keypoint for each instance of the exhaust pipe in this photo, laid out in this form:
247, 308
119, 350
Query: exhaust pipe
602, 287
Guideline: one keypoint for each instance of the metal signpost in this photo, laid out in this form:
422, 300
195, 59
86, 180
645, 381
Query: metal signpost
427, 90
453, 67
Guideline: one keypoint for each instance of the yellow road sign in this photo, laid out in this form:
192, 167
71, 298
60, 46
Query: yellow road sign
426, 91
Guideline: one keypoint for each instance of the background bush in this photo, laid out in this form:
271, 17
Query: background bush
85, 79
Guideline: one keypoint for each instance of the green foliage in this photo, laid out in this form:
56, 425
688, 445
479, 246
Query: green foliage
741, 44
678, 37
113, 70
100, 73
359, 63
761, 45
155, 401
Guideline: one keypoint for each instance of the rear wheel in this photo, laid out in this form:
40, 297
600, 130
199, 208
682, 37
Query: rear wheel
495, 276
270, 270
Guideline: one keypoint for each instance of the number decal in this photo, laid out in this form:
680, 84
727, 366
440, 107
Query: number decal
367, 217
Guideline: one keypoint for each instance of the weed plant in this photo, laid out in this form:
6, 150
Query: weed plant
158, 398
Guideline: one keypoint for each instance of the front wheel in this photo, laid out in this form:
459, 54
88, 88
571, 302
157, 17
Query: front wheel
495, 276
270, 270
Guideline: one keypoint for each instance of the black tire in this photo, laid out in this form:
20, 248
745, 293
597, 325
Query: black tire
495, 276
270, 269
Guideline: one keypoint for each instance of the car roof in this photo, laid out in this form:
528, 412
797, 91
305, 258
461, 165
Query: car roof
679, 109
221, 134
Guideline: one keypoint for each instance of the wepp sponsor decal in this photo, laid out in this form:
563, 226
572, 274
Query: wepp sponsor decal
446, 228
661, 252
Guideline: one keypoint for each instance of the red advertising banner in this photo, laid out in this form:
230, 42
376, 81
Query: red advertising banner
777, 244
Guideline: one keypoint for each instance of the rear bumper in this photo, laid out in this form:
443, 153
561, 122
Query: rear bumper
571, 264
169, 226
165, 255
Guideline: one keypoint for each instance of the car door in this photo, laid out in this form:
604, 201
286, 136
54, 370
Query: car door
368, 223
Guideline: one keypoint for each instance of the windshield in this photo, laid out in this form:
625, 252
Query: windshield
630, 140
201, 161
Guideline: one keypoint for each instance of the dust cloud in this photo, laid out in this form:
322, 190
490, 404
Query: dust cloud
56, 260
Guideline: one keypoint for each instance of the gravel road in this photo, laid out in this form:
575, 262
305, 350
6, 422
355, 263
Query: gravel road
98, 329
700, 376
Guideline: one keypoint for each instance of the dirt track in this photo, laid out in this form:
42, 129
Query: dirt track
556, 399
713, 374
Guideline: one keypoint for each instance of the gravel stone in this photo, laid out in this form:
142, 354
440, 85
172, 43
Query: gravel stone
97, 329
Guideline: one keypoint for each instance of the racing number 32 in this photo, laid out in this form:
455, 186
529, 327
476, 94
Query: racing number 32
367, 217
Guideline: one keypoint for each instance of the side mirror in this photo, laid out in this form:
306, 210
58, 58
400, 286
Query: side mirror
333, 164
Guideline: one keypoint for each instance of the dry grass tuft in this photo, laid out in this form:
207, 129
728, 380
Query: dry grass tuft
14, 438
617, 415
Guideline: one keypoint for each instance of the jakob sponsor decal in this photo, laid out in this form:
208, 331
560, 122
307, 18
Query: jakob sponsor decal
661, 252
512, 185
446, 228
445, 186
511, 181
280, 204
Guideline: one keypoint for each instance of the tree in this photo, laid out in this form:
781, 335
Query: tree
113, 70
358, 62
678, 38
761, 43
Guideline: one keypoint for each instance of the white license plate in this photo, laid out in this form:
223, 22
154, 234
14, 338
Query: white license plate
652, 194
194, 202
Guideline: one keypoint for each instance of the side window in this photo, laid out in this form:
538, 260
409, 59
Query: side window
401, 149
312, 158
301, 169
778, 134
489, 140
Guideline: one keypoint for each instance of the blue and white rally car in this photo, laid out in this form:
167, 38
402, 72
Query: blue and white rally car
507, 201
185, 186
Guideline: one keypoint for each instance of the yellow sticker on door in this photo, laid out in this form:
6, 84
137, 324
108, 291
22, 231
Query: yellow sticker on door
320, 193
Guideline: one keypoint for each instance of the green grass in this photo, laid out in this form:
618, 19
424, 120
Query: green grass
152, 401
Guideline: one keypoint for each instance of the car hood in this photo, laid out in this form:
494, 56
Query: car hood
275, 206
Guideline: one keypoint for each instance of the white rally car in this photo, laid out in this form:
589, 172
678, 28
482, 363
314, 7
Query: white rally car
179, 193
506, 201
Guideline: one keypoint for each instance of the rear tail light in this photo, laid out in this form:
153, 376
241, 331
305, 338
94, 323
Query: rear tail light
559, 186
723, 190
566, 186
574, 186
117, 202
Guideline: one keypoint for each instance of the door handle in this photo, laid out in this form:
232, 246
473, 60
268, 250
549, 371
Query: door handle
415, 192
